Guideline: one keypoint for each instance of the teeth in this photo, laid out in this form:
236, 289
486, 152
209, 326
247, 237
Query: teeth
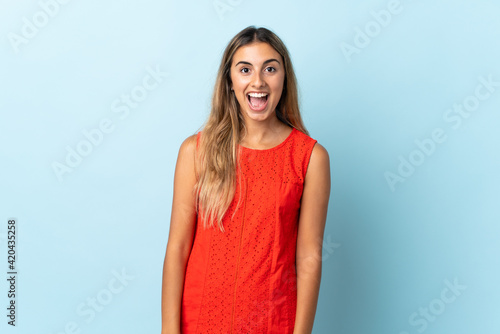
257, 94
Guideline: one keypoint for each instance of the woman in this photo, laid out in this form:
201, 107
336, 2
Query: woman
251, 192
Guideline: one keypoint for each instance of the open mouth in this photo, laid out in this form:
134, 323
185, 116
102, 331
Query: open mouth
257, 101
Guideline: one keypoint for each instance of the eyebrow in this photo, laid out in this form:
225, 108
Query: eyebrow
267, 61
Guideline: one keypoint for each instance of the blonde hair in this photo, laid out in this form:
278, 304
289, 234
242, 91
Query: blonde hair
218, 150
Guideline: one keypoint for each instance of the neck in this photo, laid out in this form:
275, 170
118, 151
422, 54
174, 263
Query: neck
257, 131
263, 133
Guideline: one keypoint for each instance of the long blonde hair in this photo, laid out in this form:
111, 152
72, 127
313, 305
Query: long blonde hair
218, 150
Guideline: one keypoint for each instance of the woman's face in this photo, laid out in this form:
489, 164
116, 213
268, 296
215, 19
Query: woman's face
257, 76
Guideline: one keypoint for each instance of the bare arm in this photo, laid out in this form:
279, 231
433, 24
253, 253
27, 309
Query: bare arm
180, 239
312, 220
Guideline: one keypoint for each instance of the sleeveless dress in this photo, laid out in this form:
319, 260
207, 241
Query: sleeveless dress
244, 280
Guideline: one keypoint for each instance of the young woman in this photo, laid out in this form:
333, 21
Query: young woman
251, 192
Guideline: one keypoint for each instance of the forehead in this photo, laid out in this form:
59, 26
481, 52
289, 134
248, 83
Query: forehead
256, 53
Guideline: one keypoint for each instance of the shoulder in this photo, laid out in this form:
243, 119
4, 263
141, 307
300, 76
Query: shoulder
187, 151
188, 146
319, 153
319, 162
303, 138
187, 154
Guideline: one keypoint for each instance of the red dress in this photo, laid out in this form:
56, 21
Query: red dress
244, 280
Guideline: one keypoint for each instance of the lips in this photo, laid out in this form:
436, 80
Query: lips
258, 94
257, 101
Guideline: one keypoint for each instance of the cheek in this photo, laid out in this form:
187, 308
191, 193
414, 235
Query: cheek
241, 98
238, 86
278, 85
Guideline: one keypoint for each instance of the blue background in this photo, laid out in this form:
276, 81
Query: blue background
390, 252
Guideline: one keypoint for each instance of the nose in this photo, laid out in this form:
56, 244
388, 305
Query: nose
258, 81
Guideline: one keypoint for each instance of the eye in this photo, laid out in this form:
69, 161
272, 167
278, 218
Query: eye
272, 69
243, 70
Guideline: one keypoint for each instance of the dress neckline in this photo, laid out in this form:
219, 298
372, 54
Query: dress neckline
272, 148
